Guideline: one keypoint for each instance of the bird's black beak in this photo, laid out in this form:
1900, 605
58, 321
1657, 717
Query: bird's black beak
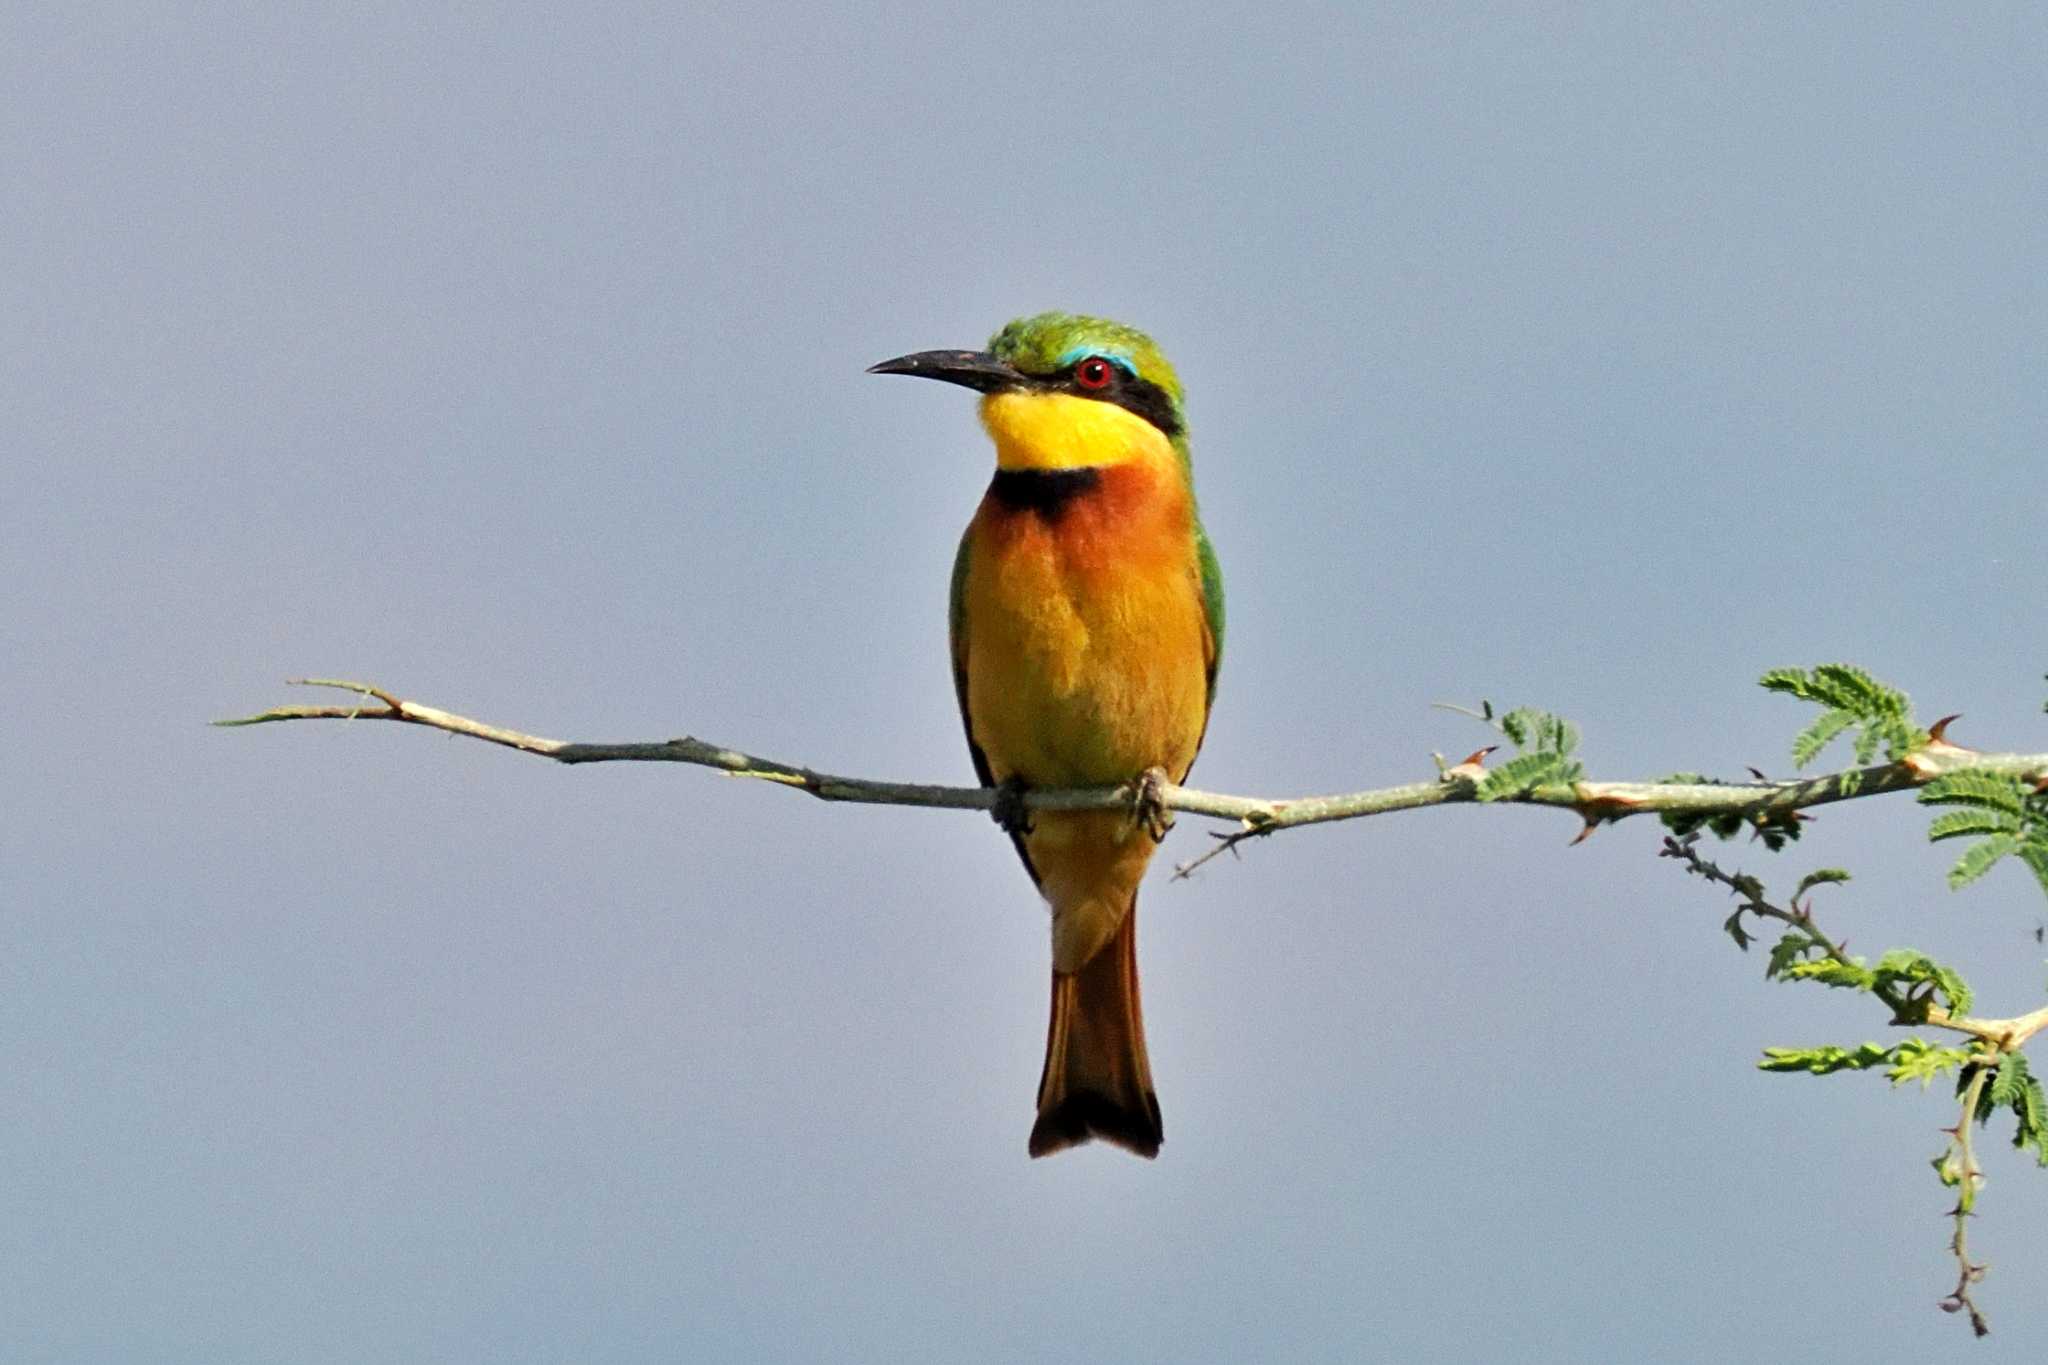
974, 369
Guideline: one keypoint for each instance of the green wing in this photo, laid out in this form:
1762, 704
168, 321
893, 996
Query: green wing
1212, 614
957, 630
1212, 601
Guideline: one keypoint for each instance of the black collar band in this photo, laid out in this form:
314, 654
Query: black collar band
1046, 491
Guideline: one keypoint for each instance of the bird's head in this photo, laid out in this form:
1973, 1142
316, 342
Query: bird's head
1061, 390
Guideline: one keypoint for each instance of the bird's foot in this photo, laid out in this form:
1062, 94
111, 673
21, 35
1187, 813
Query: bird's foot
1148, 803
1009, 810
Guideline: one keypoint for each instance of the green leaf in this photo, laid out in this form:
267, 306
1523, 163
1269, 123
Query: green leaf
1822, 1060
1916, 1059
1723, 824
1526, 772
1978, 787
1539, 731
1792, 680
1845, 680
1907, 967
2010, 1079
1821, 876
2015, 1088
1985, 1108
1778, 828
1743, 938
1815, 737
1850, 975
1790, 949
2005, 815
1897, 738
1854, 699
1953, 823
1978, 858
2036, 858
1515, 725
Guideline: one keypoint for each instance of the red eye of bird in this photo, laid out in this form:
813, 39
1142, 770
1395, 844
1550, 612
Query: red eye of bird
1093, 373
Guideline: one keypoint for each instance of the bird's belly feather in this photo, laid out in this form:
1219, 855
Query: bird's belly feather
1086, 655
1084, 669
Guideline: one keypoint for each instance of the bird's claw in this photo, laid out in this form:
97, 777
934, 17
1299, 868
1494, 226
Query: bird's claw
1009, 810
1148, 804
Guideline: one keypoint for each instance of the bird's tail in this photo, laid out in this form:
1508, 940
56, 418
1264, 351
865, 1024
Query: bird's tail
1097, 1083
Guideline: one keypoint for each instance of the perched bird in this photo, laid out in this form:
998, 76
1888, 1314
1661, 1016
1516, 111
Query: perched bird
1087, 620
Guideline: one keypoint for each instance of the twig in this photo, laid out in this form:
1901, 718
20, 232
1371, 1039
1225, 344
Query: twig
2004, 1035
1594, 803
1225, 843
1961, 1160
1763, 802
1993, 1041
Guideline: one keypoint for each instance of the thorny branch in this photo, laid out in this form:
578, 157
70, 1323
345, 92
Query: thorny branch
1763, 802
2004, 1035
1960, 1161
1595, 803
1993, 1040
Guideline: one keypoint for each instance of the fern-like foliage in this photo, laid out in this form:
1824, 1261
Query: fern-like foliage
2001, 815
1919, 1060
1881, 715
1545, 743
1921, 980
1910, 980
1820, 876
2005, 816
1822, 1061
1915, 1059
2018, 1089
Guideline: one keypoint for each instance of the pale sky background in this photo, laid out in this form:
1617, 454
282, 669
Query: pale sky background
1597, 357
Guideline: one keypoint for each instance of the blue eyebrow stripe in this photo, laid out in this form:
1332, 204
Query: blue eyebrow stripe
1117, 358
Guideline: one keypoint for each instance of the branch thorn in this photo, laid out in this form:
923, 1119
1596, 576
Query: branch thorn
1471, 768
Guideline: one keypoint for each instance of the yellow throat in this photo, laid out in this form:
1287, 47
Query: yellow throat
1064, 431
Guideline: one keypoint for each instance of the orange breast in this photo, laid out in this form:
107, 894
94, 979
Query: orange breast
1087, 656
1086, 650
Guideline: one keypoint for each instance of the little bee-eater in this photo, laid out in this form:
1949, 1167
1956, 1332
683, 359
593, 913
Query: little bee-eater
1087, 620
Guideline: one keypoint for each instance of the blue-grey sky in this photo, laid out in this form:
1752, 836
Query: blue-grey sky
1598, 357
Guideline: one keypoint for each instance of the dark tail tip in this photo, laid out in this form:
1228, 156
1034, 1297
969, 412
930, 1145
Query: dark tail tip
1089, 1114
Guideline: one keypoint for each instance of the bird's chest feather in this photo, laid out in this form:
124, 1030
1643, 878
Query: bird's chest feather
1086, 647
